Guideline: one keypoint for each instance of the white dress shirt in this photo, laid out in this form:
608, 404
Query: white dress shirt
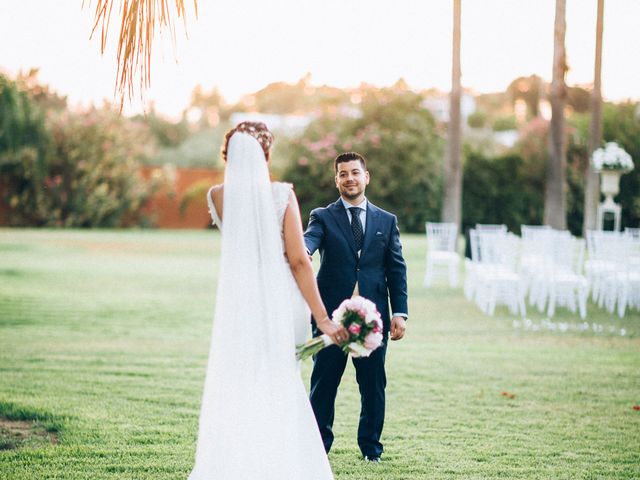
362, 206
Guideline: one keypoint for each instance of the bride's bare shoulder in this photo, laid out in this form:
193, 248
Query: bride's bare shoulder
216, 191
217, 194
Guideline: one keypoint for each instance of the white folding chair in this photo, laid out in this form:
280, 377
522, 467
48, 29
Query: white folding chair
616, 282
532, 230
632, 232
566, 286
495, 280
535, 252
539, 263
491, 227
441, 252
609, 256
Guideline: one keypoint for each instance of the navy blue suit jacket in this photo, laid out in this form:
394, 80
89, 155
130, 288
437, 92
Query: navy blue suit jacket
381, 271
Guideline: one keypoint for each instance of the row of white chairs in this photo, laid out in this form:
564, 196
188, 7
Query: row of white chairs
552, 265
491, 276
544, 265
613, 269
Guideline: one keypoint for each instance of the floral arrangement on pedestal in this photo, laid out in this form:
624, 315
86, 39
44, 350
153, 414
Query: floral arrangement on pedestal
612, 157
611, 161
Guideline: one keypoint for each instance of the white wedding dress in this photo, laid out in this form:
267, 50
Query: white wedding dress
256, 421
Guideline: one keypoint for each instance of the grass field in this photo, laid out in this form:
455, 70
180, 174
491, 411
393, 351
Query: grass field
104, 338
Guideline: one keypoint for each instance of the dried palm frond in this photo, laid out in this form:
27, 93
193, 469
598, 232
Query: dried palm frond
137, 29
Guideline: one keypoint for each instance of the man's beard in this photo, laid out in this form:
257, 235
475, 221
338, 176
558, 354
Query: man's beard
345, 193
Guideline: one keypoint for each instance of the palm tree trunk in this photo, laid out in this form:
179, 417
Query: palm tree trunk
592, 189
554, 198
452, 202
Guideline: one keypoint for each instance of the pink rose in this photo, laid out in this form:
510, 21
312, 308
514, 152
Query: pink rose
355, 328
373, 340
346, 304
377, 328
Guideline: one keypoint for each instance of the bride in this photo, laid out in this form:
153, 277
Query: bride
256, 421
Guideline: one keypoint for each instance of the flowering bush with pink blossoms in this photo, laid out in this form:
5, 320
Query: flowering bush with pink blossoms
363, 322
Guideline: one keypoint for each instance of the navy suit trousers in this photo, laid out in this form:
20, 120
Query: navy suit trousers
329, 365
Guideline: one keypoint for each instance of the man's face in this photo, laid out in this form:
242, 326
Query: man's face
351, 179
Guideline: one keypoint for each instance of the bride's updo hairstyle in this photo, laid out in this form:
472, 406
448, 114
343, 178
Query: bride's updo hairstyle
257, 130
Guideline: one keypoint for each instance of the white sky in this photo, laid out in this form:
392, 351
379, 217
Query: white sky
242, 45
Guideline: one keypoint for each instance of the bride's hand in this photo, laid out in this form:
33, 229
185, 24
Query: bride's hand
337, 333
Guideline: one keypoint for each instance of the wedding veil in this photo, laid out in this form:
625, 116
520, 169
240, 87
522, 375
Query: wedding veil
252, 355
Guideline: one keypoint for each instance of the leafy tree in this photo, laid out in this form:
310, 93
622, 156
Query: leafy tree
578, 98
530, 89
24, 141
70, 169
39, 93
210, 106
200, 149
92, 173
509, 188
477, 119
501, 190
300, 97
620, 124
165, 132
502, 124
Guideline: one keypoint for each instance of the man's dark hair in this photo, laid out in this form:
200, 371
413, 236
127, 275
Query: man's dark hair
348, 157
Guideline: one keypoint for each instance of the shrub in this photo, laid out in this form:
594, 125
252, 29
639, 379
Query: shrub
92, 175
24, 141
621, 124
70, 169
502, 124
501, 190
477, 119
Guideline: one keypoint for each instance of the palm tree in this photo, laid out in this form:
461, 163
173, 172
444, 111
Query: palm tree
555, 196
592, 190
452, 202
138, 22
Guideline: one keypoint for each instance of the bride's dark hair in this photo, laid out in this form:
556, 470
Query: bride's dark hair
257, 130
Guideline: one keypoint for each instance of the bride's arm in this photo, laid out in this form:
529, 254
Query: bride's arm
303, 271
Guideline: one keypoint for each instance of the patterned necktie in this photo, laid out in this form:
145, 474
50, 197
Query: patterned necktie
356, 227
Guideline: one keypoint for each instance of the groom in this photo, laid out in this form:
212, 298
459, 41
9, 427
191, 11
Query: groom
360, 254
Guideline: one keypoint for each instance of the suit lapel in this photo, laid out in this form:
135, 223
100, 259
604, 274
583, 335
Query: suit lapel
371, 226
339, 214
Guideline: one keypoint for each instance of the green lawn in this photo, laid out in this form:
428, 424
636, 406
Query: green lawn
104, 338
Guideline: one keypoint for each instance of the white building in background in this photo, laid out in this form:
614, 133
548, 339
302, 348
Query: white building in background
545, 109
285, 124
507, 138
438, 105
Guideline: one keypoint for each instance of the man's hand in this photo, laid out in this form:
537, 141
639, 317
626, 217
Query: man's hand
398, 326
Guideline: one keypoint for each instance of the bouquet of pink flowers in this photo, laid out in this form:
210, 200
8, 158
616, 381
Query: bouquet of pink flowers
363, 322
